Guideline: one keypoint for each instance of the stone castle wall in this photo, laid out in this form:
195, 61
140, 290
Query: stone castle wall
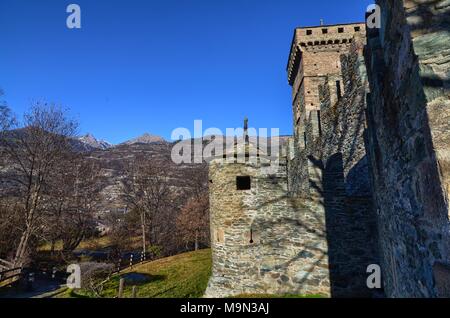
315, 54
409, 133
263, 241
333, 168
336, 127
319, 238
368, 178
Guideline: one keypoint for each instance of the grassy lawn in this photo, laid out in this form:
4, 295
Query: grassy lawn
93, 243
97, 243
181, 276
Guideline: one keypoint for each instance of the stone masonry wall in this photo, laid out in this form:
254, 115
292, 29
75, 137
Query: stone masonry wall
368, 178
337, 128
333, 168
314, 56
408, 62
264, 241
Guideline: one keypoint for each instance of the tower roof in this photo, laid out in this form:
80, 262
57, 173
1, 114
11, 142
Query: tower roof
319, 36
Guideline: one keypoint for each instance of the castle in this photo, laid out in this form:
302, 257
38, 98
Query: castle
366, 177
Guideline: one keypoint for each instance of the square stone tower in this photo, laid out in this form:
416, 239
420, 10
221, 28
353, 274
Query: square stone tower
314, 56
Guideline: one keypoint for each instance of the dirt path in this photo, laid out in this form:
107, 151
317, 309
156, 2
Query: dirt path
42, 288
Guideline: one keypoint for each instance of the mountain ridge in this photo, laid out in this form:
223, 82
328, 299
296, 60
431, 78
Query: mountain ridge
95, 143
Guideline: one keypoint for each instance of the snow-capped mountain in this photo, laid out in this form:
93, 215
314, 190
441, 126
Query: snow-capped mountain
95, 143
145, 139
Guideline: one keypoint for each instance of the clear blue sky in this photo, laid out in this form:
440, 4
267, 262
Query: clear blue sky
154, 65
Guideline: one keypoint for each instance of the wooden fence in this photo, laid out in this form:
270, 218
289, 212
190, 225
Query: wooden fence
128, 263
10, 276
5, 265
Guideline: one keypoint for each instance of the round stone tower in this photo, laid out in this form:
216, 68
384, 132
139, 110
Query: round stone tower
255, 235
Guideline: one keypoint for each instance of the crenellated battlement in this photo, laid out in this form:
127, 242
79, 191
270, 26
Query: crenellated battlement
316, 57
320, 38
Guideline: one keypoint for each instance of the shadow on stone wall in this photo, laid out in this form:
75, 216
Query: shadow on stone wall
309, 225
346, 223
351, 233
413, 213
430, 21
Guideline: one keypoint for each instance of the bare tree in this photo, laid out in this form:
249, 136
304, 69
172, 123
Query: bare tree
8, 219
6, 122
8, 233
6, 117
33, 152
196, 178
193, 221
147, 190
122, 230
73, 196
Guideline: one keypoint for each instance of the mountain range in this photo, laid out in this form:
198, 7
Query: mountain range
114, 159
90, 143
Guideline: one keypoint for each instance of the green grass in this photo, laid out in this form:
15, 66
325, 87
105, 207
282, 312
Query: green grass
92, 243
95, 243
181, 276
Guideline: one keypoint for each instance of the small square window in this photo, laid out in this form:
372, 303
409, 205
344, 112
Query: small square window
357, 29
308, 32
324, 31
243, 183
341, 30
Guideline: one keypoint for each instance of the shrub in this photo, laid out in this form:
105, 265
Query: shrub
94, 276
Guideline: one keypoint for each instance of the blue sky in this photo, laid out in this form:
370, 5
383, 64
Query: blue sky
154, 65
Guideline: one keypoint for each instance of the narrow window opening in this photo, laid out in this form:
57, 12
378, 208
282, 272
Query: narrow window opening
308, 32
341, 30
251, 236
338, 89
319, 123
324, 31
357, 29
243, 183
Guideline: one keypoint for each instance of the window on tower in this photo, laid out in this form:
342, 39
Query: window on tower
243, 183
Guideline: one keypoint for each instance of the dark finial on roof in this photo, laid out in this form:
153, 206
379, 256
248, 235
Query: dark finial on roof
246, 129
